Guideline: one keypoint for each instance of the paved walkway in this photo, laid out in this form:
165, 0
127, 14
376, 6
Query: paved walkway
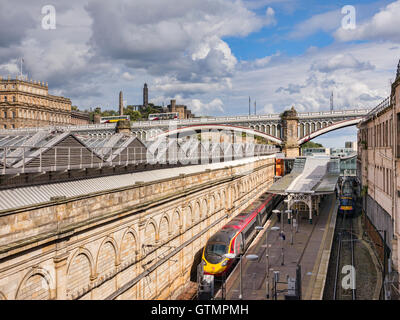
311, 249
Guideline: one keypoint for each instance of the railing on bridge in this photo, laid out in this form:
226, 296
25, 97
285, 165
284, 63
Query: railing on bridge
383, 105
179, 122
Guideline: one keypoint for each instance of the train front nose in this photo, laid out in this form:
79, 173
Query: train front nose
215, 269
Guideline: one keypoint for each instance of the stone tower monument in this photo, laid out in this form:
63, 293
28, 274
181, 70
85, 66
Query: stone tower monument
290, 123
145, 95
121, 104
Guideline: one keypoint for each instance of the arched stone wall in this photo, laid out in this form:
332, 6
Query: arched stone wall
80, 271
36, 285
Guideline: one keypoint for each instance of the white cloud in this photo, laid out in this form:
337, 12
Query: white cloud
128, 76
341, 61
382, 26
270, 17
181, 39
200, 108
327, 22
305, 82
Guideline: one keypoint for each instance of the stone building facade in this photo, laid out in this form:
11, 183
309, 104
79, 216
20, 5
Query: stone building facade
184, 112
138, 242
80, 118
26, 103
378, 169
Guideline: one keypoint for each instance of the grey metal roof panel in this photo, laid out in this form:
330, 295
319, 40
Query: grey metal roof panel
24, 196
310, 174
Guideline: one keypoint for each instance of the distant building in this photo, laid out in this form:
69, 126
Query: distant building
348, 158
26, 103
348, 165
314, 151
145, 96
341, 152
184, 112
80, 118
121, 104
351, 145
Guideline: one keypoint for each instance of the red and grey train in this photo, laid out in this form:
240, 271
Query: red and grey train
236, 236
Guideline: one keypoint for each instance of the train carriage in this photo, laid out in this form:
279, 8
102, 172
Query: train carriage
236, 236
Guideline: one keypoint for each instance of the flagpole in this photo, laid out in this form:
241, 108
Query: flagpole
21, 68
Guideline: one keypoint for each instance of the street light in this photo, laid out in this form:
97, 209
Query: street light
282, 236
250, 257
287, 202
289, 213
258, 228
297, 216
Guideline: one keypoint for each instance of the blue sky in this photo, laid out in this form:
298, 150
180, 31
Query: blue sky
208, 54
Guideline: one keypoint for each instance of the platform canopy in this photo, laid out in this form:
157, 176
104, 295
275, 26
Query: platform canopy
316, 175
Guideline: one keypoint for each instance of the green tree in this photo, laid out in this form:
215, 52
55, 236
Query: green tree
310, 144
134, 115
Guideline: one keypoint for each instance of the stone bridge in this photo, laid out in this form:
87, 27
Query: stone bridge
141, 241
289, 129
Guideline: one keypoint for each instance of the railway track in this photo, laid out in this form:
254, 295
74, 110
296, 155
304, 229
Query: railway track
344, 287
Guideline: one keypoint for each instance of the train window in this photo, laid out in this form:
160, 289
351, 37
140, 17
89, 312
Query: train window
239, 244
249, 230
216, 248
259, 219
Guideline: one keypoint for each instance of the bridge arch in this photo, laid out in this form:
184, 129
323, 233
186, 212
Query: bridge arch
326, 129
219, 127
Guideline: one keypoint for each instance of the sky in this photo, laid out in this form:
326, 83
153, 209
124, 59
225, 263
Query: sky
211, 55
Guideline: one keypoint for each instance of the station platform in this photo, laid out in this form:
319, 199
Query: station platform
311, 250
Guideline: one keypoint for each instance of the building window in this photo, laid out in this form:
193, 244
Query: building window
13, 126
5, 98
5, 114
14, 99
5, 126
13, 115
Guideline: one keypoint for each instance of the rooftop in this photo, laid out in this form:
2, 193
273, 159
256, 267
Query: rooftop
315, 175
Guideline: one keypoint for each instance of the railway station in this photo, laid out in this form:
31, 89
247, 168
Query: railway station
294, 254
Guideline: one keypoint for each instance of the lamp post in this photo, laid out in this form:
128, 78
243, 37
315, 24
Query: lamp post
287, 201
282, 236
297, 217
250, 257
258, 228
289, 213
